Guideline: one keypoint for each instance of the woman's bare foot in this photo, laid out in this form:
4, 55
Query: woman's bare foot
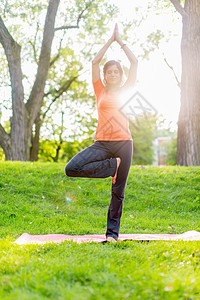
118, 163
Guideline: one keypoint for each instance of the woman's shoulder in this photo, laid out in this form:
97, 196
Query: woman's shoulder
98, 83
98, 86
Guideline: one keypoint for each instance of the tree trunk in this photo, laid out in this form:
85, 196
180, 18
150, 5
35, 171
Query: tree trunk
34, 150
188, 152
23, 117
12, 51
55, 159
5, 142
34, 102
18, 108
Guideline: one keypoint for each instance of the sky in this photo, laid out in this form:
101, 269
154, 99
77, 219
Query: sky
155, 80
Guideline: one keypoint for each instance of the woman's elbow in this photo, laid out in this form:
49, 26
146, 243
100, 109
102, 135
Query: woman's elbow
95, 62
134, 62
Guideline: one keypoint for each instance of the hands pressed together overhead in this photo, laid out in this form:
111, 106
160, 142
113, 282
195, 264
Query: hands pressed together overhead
115, 36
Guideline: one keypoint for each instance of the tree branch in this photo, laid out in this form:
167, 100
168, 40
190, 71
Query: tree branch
62, 89
33, 44
12, 50
67, 27
34, 51
54, 59
179, 8
5, 8
52, 62
80, 16
5, 142
176, 78
3, 134
35, 100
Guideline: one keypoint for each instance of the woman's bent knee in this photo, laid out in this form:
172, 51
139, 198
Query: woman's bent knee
68, 170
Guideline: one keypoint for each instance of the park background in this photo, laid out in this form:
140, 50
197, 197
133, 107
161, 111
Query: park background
68, 116
38, 198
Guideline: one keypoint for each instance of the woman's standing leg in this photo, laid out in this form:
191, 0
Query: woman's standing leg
124, 150
93, 162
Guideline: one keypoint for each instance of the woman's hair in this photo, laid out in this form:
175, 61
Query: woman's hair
111, 63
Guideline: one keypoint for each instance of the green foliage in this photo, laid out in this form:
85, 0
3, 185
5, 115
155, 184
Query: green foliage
143, 132
2, 155
71, 51
144, 129
33, 199
47, 152
172, 152
171, 146
25, 22
152, 43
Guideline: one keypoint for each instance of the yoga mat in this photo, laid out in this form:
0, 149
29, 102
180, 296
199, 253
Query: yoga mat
26, 238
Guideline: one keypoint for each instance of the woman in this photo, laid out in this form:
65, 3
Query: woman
111, 153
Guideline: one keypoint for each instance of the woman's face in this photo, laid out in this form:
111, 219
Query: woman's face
112, 76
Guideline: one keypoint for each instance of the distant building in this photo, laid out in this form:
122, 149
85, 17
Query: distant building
161, 145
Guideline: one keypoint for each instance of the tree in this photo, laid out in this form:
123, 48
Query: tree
143, 131
188, 144
26, 107
188, 139
16, 145
172, 152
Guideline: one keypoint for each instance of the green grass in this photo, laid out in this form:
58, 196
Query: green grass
39, 199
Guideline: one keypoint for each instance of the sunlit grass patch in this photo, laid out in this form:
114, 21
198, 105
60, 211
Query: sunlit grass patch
39, 199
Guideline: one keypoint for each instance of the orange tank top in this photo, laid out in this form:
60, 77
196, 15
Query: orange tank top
113, 125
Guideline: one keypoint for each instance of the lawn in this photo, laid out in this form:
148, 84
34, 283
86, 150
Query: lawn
38, 198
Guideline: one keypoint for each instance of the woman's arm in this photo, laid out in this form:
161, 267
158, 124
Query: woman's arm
96, 61
131, 57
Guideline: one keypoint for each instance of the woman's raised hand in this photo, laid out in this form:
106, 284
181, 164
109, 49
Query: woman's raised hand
112, 39
116, 34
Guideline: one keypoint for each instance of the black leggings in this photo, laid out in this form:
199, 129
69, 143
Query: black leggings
99, 161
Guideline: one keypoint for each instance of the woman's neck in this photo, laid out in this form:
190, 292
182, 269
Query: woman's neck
112, 89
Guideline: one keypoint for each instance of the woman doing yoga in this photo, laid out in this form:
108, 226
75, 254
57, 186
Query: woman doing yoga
111, 153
